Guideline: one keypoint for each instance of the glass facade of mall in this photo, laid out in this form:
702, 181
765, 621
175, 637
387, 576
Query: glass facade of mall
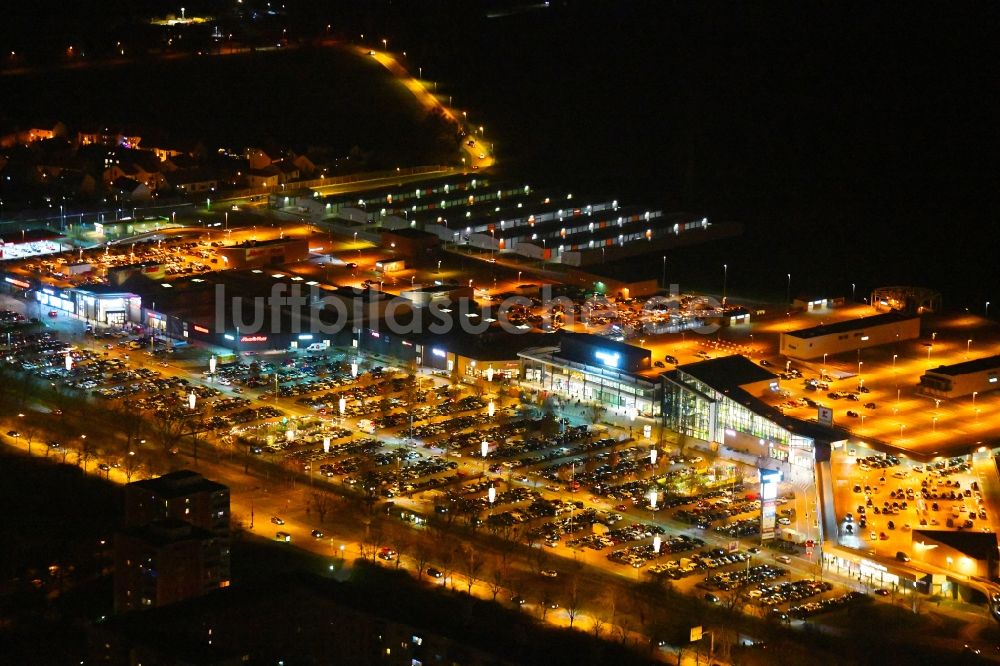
617, 390
692, 407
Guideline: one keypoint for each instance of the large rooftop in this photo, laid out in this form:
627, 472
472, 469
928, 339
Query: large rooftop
849, 325
727, 372
178, 484
968, 367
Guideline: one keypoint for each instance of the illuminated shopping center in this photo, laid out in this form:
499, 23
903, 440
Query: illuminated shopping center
592, 368
718, 400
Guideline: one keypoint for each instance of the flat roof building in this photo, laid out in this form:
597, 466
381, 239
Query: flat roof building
165, 562
961, 379
849, 335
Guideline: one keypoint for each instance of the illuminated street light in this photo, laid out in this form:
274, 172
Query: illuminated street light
69, 361
656, 544
489, 376
211, 364
484, 448
354, 369
326, 444
492, 495
491, 409
725, 275
968, 345
343, 405
652, 499
934, 423
192, 399
652, 456
974, 394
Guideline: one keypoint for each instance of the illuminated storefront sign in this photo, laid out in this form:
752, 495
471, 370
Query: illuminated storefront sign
769, 480
438, 352
254, 338
17, 283
608, 358
200, 329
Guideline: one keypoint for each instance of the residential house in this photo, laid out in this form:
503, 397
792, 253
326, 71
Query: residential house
287, 171
190, 181
260, 158
48, 130
268, 177
131, 189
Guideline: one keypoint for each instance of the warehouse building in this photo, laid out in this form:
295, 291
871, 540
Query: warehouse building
850, 335
968, 378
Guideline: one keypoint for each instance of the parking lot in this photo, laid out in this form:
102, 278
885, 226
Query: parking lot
881, 499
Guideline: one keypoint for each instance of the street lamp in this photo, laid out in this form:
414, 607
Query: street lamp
663, 283
326, 444
656, 544
354, 369
192, 399
652, 499
974, 394
652, 456
968, 345
69, 361
788, 289
987, 312
725, 275
343, 405
491, 409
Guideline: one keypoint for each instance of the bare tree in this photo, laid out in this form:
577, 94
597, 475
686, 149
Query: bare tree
132, 462
573, 600
421, 555
86, 450
321, 503
446, 556
471, 564
597, 626
496, 579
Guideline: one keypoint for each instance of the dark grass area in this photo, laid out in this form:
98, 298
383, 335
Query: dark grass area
298, 97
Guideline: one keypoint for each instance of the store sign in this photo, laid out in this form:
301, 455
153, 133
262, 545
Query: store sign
769, 480
609, 359
17, 283
254, 338
200, 329
438, 352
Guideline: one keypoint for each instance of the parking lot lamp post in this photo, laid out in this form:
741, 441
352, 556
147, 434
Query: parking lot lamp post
968, 345
485, 449
974, 394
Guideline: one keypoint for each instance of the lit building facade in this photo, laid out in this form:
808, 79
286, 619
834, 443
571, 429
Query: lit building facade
592, 368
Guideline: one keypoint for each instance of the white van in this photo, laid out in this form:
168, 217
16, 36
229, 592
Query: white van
318, 346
